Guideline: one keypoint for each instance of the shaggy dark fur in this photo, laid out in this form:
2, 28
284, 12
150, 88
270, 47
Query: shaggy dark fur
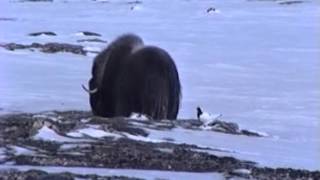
131, 77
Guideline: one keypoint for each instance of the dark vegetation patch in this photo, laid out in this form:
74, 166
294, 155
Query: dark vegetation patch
134, 2
88, 33
105, 1
53, 47
36, 0
48, 33
211, 9
126, 153
92, 40
290, 2
7, 19
42, 175
283, 2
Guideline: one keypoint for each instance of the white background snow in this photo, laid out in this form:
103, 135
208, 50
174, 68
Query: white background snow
257, 63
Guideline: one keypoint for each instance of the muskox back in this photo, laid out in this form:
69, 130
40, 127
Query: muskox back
105, 70
130, 77
149, 84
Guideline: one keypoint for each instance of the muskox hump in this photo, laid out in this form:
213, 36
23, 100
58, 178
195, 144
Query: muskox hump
148, 84
105, 69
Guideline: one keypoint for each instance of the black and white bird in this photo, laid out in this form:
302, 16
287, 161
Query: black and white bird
207, 118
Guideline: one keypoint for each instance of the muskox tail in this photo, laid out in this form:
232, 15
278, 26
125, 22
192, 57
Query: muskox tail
155, 97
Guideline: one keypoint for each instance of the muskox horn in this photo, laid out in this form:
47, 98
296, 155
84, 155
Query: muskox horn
89, 91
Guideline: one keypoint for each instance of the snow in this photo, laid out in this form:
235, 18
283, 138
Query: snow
47, 115
66, 147
92, 132
255, 62
2, 154
21, 150
142, 138
92, 49
138, 116
242, 171
266, 151
47, 134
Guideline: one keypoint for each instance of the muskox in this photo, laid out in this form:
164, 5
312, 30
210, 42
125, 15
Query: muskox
129, 76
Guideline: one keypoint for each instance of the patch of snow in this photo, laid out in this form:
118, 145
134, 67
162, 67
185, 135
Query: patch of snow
2, 150
75, 134
242, 171
92, 49
85, 120
45, 116
166, 150
47, 134
21, 150
92, 132
142, 138
79, 34
136, 8
138, 116
2, 154
90, 54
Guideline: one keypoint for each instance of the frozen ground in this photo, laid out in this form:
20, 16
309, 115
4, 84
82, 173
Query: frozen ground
257, 63
143, 174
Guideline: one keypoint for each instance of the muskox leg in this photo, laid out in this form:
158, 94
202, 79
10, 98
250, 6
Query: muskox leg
142, 94
149, 84
155, 104
175, 92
